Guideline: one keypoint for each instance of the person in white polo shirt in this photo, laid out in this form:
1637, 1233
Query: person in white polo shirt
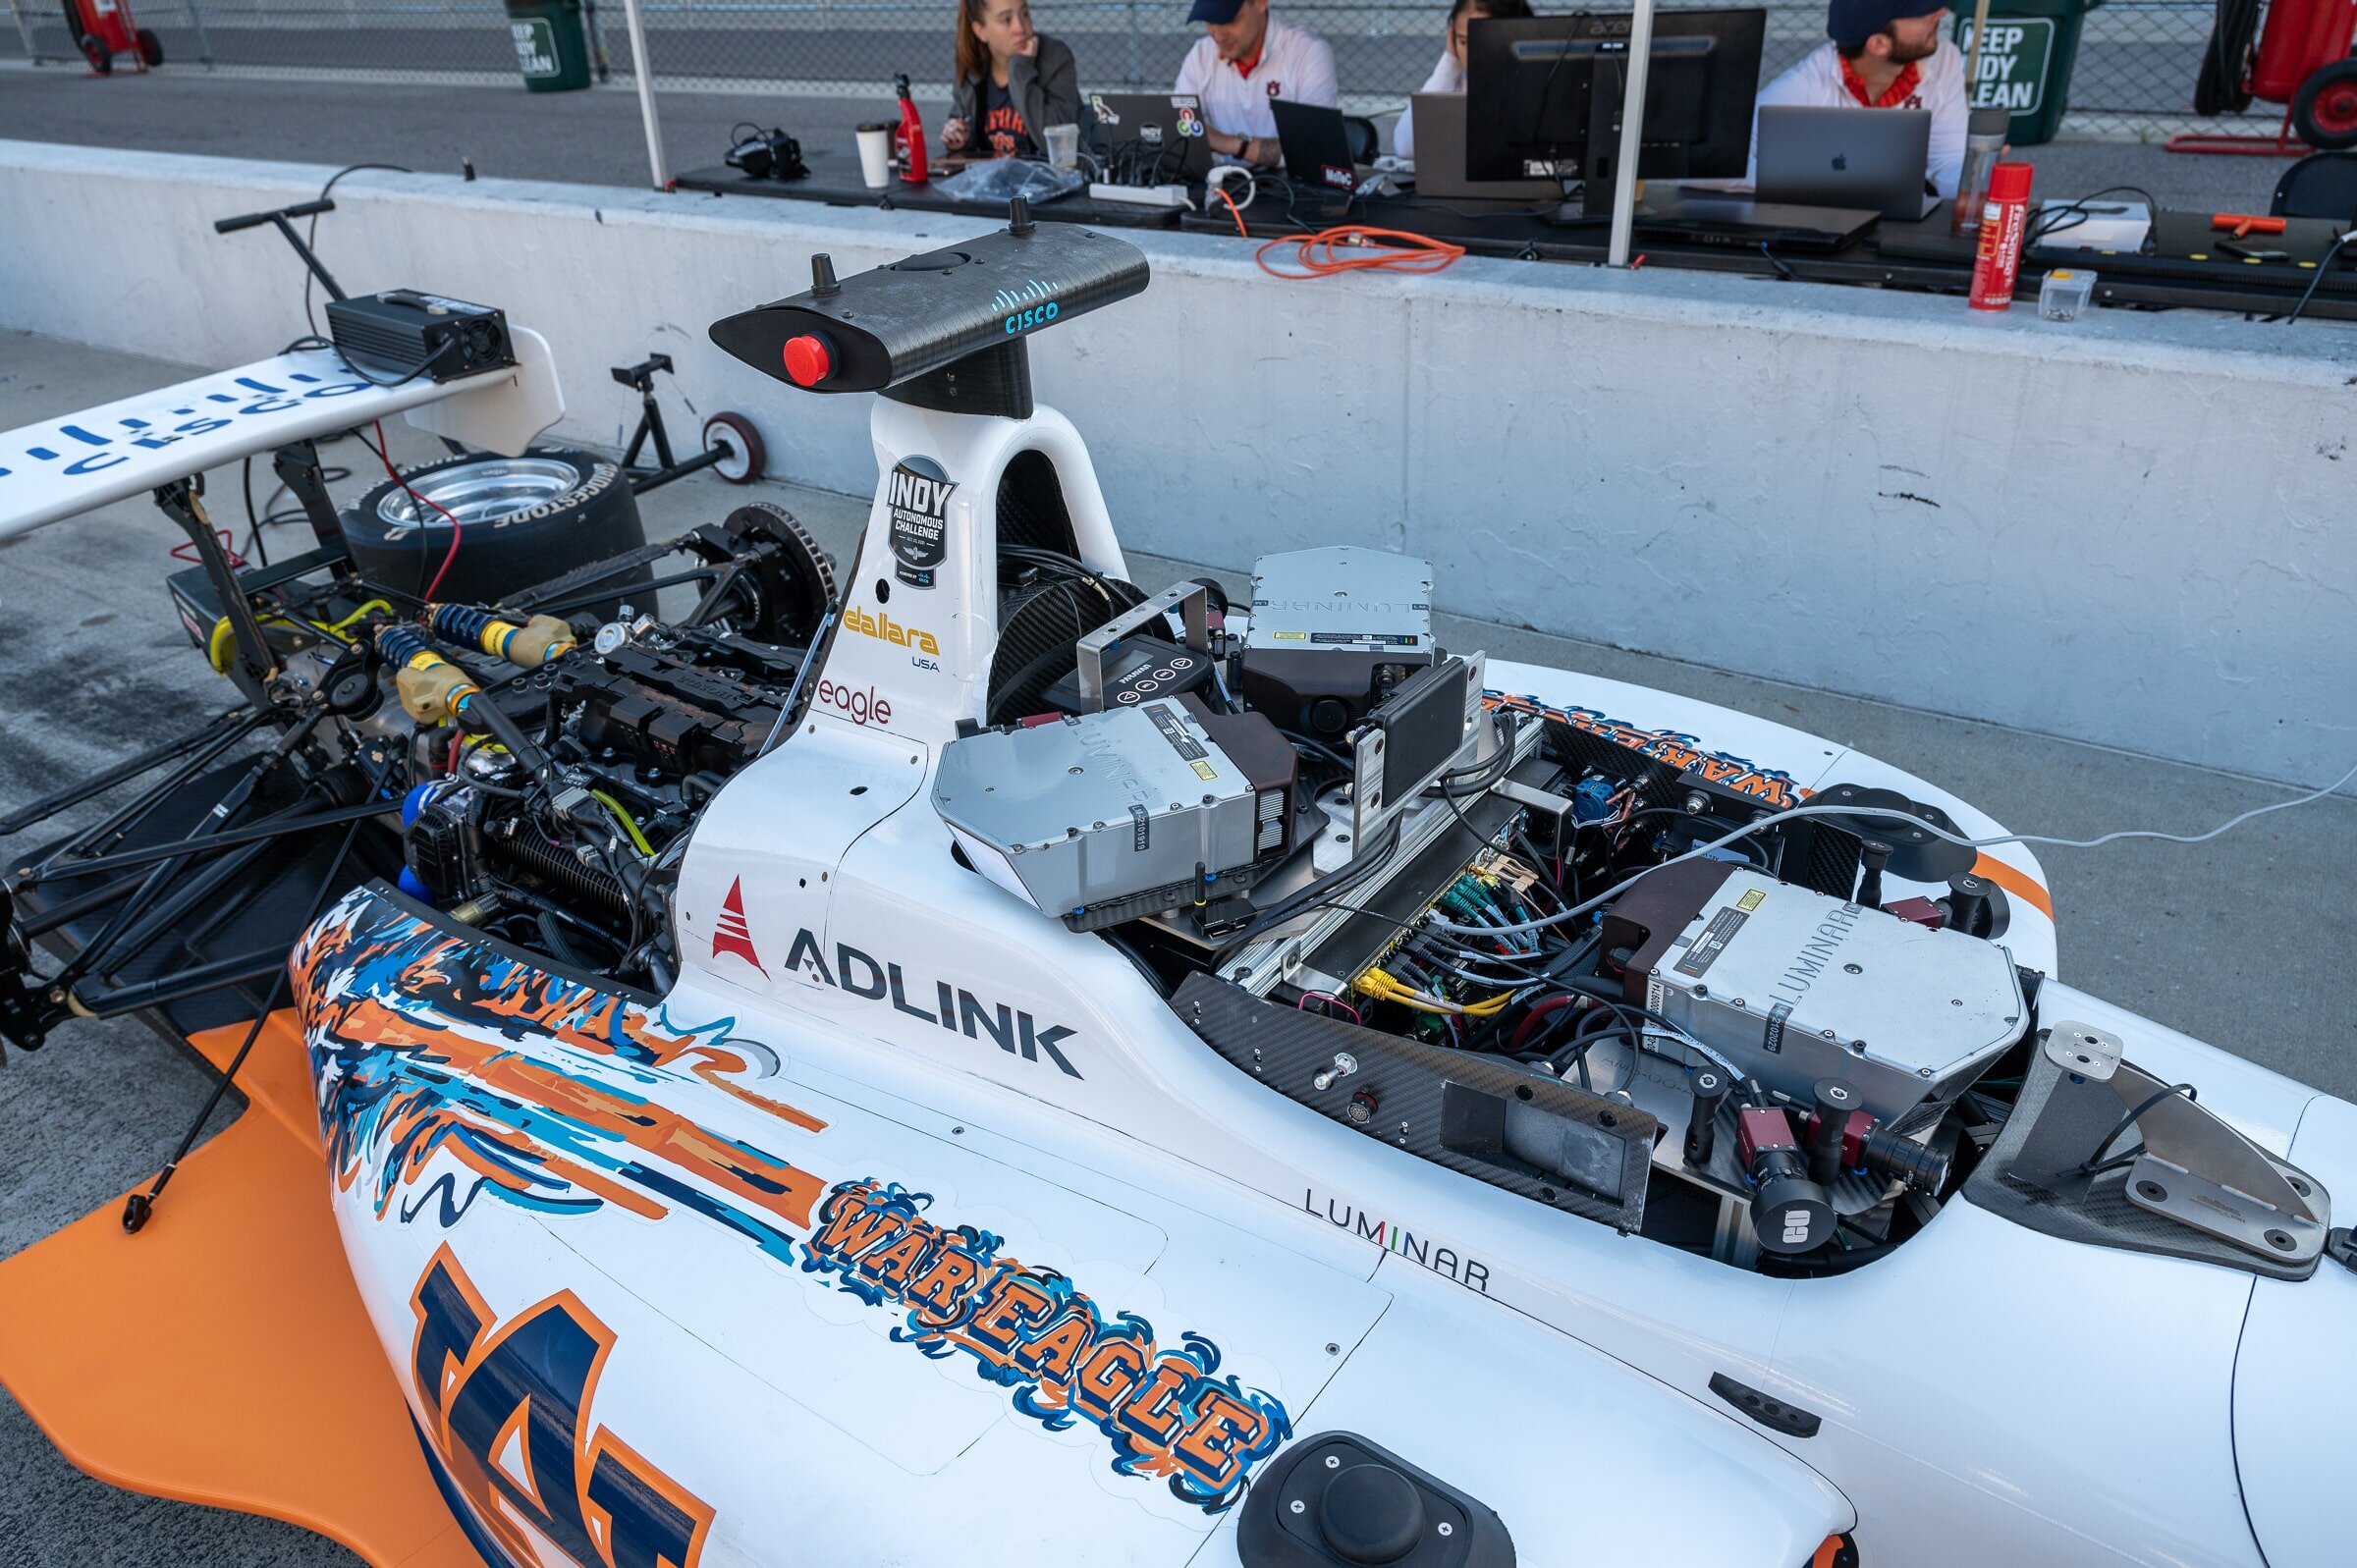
1245, 58
1886, 54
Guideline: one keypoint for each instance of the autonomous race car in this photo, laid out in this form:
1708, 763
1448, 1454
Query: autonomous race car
972, 1060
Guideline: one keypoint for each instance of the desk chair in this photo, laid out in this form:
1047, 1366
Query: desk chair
2323, 185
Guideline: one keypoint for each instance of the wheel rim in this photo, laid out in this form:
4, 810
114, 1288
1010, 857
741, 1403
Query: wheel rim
2335, 109
735, 465
479, 492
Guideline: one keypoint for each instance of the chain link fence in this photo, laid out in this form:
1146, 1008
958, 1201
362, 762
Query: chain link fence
2136, 63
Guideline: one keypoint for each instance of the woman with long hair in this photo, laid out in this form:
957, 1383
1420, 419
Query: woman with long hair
1013, 82
1449, 76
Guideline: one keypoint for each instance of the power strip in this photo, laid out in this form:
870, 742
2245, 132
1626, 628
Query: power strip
2095, 225
1142, 195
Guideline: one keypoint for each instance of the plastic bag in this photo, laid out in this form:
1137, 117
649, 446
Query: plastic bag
1002, 180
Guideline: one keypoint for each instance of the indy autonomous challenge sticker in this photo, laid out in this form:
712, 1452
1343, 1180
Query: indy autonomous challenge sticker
919, 502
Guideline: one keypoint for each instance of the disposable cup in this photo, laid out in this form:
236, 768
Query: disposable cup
1063, 145
875, 154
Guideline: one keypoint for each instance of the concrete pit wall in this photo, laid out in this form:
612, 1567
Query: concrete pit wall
2133, 530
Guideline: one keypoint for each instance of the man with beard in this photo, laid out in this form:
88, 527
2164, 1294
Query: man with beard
1886, 54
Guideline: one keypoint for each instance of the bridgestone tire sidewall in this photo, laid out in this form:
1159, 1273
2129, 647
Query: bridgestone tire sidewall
595, 517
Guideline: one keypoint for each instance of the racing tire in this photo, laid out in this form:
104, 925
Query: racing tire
151, 48
748, 460
2324, 110
521, 521
100, 57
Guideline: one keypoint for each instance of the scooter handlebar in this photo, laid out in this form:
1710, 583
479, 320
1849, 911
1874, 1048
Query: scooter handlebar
252, 220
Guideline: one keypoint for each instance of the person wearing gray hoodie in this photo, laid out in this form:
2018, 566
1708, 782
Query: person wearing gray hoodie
1013, 83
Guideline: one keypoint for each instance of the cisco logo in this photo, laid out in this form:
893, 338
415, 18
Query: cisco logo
1026, 308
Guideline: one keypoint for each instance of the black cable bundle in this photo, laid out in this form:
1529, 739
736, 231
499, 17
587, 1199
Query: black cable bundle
2224, 83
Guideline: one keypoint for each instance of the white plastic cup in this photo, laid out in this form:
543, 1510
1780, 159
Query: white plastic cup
1063, 145
875, 154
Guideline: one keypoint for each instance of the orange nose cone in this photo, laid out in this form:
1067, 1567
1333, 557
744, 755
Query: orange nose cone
809, 361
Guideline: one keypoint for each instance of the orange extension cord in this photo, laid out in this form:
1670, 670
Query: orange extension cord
1352, 249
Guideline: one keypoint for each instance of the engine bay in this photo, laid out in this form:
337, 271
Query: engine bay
1516, 941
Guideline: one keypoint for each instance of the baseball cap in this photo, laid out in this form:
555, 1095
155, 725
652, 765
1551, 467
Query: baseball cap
1218, 12
1851, 23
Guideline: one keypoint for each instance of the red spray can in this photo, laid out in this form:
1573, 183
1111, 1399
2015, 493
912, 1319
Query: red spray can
909, 141
2004, 220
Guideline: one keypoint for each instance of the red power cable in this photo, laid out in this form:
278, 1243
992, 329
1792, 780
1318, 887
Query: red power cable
421, 503
1319, 256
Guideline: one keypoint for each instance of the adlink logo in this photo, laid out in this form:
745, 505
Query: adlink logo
955, 1009
1026, 308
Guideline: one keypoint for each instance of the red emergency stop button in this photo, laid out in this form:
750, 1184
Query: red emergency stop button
808, 359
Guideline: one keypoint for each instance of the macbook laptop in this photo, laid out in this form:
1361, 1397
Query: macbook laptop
1316, 145
1147, 138
1823, 157
1441, 157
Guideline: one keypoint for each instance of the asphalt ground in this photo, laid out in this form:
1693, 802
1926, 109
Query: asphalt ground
2243, 942
596, 138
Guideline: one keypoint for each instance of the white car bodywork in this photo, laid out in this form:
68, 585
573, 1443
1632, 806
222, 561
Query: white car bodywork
62, 467
738, 1201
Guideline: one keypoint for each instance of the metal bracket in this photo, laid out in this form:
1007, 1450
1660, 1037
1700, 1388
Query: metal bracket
1192, 600
2162, 1187
2083, 1050
252, 667
298, 468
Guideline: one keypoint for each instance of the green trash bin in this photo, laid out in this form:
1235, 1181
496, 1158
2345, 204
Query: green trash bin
2025, 65
552, 47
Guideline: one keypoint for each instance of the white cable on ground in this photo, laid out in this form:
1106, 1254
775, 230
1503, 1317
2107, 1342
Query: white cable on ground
1890, 815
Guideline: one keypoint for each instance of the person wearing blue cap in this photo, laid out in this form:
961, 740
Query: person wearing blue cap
1244, 59
1887, 54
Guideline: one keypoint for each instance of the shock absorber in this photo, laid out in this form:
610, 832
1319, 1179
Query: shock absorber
431, 688
538, 640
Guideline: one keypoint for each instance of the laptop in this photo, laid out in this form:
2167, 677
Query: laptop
1147, 138
1846, 158
1316, 145
1742, 224
1441, 157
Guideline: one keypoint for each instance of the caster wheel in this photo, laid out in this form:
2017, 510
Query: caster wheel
747, 460
2324, 109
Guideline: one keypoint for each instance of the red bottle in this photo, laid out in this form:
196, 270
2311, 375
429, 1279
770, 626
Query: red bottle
908, 141
2004, 219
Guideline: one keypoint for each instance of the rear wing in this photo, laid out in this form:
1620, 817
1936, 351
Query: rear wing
71, 464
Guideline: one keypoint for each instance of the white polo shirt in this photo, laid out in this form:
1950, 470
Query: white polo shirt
1816, 82
1294, 63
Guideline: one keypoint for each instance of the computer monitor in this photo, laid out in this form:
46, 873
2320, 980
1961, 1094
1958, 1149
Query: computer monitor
1543, 98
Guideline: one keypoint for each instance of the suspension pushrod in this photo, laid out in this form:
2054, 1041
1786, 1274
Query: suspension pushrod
231, 837
153, 757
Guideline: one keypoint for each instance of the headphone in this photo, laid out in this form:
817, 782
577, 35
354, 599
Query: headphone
765, 154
